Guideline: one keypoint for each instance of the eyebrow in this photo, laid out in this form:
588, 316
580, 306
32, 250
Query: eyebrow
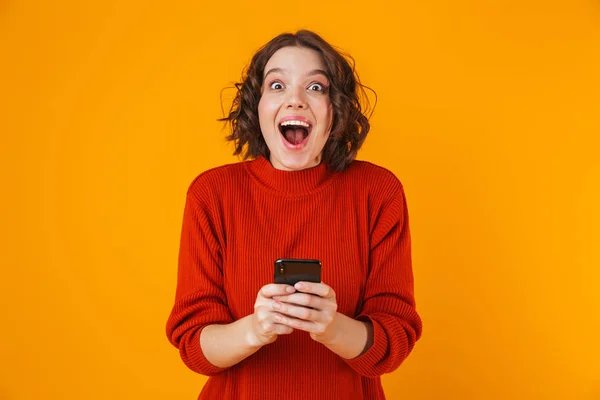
311, 73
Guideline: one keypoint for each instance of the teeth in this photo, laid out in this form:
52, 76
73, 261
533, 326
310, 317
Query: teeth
300, 123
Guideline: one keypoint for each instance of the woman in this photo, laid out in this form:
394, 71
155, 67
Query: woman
302, 195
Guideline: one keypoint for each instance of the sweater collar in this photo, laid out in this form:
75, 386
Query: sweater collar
289, 182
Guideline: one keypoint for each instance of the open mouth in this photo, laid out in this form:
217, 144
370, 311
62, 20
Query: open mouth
295, 132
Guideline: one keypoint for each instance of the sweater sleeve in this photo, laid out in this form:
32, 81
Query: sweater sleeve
199, 299
389, 302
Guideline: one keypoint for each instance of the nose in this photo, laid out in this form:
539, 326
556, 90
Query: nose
296, 99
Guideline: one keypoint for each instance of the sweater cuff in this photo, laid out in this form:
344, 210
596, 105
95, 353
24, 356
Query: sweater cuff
194, 357
366, 363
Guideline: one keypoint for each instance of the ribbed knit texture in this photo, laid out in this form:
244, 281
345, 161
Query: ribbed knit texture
239, 218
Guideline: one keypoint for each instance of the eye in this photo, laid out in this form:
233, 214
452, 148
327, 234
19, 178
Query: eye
317, 87
276, 85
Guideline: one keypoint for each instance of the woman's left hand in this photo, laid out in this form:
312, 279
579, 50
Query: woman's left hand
314, 310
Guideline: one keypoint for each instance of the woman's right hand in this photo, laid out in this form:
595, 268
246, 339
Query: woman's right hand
264, 328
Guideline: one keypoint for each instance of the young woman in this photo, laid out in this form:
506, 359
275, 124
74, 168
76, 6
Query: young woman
299, 194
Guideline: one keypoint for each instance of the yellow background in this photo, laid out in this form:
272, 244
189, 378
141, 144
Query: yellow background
489, 113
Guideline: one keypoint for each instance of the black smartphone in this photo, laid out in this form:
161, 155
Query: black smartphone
293, 270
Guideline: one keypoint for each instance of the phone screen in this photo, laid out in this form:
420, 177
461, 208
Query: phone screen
291, 271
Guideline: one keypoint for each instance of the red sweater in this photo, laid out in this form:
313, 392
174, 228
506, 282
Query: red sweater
239, 218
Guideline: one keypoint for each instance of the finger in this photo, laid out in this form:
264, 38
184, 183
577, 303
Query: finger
267, 328
298, 312
303, 299
262, 313
320, 289
298, 324
283, 329
276, 289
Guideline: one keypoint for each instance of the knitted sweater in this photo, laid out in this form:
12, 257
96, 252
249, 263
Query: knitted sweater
239, 218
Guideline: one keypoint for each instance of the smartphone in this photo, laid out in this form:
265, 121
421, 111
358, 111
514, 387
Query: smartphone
293, 270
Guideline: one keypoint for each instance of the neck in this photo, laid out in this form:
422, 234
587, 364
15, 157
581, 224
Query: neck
286, 182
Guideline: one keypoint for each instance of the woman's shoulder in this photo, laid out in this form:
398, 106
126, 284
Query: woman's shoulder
380, 185
372, 174
217, 179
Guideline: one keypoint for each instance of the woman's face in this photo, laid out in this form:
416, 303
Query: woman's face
295, 112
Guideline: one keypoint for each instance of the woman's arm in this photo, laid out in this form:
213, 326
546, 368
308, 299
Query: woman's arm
200, 299
350, 338
200, 324
228, 344
389, 301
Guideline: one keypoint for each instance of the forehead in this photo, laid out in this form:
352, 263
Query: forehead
296, 59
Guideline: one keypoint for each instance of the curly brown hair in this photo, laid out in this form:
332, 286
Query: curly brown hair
350, 122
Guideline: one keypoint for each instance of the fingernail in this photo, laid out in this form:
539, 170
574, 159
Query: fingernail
276, 306
290, 289
300, 286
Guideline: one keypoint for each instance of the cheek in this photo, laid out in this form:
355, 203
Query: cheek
267, 106
261, 109
325, 114
264, 116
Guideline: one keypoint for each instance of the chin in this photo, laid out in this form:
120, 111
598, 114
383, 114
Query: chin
297, 162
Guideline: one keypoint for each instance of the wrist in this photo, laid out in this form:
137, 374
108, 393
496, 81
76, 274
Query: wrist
331, 336
348, 337
252, 340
